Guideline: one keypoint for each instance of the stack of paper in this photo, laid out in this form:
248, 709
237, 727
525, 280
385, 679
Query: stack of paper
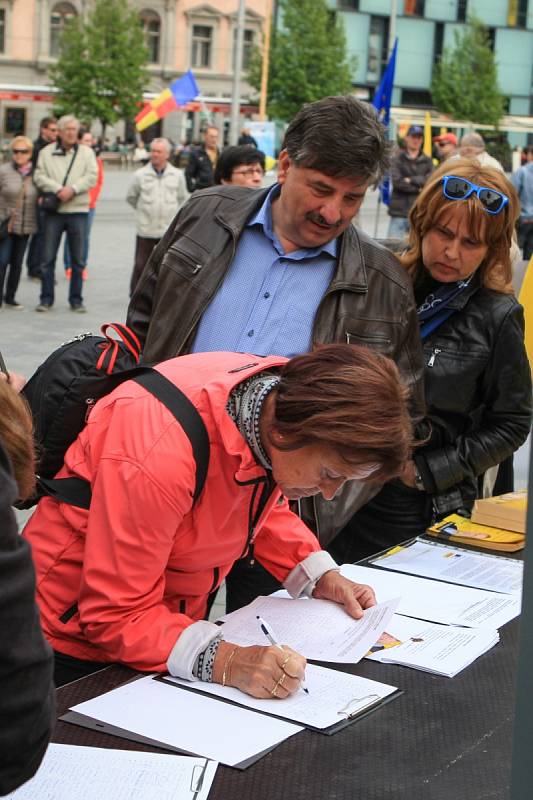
436, 601
440, 649
454, 565
506, 511
317, 629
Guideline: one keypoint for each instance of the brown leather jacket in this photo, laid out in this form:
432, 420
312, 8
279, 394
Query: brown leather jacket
369, 302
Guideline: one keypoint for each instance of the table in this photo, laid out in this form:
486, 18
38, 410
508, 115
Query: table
443, 739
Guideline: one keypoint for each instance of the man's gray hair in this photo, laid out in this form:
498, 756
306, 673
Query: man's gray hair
473, 140
163, 141
65, 120
341, 137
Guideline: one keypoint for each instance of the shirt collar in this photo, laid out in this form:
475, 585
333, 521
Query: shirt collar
263, 218
60, 150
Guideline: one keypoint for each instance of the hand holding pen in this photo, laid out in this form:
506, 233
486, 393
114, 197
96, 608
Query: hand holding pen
273, 641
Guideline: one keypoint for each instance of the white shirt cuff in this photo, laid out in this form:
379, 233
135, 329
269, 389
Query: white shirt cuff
303, 578
192, 641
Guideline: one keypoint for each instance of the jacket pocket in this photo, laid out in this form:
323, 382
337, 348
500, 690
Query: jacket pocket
186, 259
381, 343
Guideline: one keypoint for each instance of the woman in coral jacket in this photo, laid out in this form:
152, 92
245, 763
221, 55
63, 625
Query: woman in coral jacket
129, 580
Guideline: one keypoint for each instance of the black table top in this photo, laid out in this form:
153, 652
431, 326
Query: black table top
443, 739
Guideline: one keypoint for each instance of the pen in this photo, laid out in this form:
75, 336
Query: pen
272, 639
3, 367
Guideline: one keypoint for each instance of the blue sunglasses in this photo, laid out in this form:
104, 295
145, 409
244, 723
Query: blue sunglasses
455, 188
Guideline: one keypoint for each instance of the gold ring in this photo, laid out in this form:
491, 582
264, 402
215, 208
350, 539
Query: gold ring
280, 682
285, 662
274, 690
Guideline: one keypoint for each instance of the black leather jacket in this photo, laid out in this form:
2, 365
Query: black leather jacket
478, 394
369, 302
199, 172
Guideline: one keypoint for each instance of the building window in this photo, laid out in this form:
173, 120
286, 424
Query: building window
439, 40
377, 48
151, 25
2, 30
414, 8
461, 10
15, 121
61, 14
416, 97
491, 38
517, 13
202, 45
352, 5
247, 47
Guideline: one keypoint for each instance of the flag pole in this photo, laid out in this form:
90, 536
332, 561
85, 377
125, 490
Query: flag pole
265, 63
236, 94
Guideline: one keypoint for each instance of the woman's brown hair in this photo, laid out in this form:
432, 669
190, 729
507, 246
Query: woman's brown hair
16, 436
494, 230
350, 399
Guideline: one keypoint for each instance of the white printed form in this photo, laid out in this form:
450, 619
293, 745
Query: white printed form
435, 560
317, 629
333, 695
91, 773
188, 720
436, 601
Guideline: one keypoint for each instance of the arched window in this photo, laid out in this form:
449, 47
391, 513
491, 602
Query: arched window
151, 25
61, 14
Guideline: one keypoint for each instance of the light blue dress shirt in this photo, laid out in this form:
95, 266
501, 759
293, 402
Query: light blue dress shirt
268, 299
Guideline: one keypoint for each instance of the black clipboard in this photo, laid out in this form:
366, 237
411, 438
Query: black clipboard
75, 718
346, 717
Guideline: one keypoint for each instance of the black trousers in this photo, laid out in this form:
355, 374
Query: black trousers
12, 250
143, 251
396, 513
68, 668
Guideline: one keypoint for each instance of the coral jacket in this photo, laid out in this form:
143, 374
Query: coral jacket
122, 581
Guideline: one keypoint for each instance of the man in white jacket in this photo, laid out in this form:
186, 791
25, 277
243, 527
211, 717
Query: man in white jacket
156, 193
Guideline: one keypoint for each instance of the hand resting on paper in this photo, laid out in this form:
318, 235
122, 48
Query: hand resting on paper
265, 672
355, 597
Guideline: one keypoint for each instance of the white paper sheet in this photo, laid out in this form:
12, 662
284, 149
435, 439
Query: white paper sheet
441, 649
436, 601
330, 693
448, 563
188, 720
91, 773
317, 629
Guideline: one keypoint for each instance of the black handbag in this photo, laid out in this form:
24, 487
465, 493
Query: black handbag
4, 229
49, 201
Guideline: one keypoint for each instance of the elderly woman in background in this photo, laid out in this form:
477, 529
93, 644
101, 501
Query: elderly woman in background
18, 202
477, 375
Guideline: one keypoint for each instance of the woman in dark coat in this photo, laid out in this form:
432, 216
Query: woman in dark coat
477, 376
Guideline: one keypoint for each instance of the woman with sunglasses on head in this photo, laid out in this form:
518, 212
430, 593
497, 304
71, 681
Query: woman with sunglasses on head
477, 376
18, 217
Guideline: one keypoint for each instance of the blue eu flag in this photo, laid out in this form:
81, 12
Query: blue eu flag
382, 103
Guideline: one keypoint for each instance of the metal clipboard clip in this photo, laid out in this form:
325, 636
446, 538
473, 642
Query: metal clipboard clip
197, 779
371, 700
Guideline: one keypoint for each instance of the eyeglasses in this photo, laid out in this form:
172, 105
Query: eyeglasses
455, 188
20, 152
249, 171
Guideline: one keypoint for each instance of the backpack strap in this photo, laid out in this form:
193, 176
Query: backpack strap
77, 492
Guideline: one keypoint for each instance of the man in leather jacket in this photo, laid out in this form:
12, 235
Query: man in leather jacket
279, 270
200, 169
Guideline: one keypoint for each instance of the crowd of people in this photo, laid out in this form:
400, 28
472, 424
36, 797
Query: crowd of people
350, 396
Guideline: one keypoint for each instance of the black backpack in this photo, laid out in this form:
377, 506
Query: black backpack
66, 386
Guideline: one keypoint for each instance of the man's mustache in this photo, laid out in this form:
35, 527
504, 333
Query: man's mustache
312, 216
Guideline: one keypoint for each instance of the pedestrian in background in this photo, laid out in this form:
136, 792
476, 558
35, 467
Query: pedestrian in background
200, 170
522, 180
247, 138
240, 166
473, 146
446, 145
156, 193
410, 169
65, 173
18, 210
85, 137
48, 131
